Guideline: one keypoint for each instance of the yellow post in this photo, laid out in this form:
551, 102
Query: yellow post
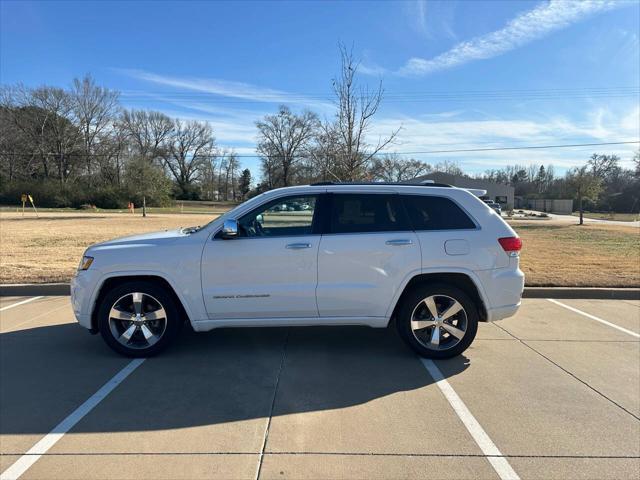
33, 205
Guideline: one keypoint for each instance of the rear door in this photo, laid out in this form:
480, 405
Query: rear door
366, 252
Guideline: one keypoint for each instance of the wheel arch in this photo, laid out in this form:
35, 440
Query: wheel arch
115, 280
464, 281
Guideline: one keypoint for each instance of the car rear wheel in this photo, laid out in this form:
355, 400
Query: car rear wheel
437, 321
138, 319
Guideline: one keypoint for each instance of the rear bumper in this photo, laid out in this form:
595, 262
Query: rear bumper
502, 312
503, 289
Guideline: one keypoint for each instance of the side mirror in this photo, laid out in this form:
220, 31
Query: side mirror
230, 229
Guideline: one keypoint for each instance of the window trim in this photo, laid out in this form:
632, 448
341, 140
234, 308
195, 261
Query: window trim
451, 199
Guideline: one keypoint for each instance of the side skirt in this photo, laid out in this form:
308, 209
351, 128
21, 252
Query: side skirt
206, 325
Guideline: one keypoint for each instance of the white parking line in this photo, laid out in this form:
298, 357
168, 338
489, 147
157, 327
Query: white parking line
17, 304
489, 449
597, 319
21, 465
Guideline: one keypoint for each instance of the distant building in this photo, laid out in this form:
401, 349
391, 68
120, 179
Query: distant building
498, 192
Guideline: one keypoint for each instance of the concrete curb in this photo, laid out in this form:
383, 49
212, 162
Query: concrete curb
584, 293
62, 289
35, 290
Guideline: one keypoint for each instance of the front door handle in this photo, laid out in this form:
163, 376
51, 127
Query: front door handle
298, 246
400, 241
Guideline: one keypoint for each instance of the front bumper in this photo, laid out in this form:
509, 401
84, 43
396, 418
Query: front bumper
82, 288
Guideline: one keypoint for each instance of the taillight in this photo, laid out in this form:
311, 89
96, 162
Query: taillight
511, 245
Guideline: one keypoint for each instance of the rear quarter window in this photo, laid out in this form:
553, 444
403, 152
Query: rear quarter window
428, 212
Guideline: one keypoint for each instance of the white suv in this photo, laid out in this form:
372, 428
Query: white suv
434, 258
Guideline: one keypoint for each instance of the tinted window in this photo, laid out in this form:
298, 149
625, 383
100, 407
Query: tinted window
283, 217
354, 213
435, 213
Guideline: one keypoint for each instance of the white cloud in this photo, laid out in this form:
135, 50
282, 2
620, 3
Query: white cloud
226, 88
433, 133
371, 69
523, 29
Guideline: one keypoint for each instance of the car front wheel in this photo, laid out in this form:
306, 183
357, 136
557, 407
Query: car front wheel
138, 319
437, 321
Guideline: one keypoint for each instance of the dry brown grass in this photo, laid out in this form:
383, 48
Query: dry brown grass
584, 256
48, 249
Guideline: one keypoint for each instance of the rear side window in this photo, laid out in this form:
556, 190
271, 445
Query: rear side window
356, 213
435, 213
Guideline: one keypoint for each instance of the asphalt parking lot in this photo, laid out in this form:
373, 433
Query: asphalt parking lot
551, 393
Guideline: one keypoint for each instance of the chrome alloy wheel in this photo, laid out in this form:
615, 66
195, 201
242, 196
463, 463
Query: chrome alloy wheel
439, 322
137, 320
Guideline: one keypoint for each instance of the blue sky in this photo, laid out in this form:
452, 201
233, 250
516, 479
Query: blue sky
457, 75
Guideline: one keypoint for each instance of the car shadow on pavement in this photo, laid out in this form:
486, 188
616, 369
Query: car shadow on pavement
221, 376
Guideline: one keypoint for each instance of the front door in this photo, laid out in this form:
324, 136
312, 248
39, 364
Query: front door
270, 270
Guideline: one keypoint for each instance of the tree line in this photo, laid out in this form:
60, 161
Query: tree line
79, 146
601, 184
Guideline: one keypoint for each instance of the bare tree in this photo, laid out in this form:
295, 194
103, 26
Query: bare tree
393, 168
356, 108
43, 116
284, 136
232, 165
451, 167
148, 132
603, 165
95, 109
60, 135
190, 146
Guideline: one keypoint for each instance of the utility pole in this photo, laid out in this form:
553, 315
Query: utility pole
144, 206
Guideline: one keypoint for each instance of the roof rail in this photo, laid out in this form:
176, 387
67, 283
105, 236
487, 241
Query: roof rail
430, 184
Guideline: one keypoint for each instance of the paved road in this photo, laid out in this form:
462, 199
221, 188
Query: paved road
551, 393
570, 219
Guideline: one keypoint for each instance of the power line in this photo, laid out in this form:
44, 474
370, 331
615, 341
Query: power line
393, 97
423, 152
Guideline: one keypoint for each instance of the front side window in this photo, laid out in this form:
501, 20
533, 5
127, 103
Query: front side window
283, 217
356, 213
428, 212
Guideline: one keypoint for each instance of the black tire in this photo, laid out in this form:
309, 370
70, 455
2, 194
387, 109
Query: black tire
153, 294
412, 301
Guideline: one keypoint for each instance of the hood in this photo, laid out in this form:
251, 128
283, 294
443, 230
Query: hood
143, 240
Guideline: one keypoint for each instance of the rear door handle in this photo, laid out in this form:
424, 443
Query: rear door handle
298, 246
400, 241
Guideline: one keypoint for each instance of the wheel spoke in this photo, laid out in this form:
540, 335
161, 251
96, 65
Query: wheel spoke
431, 306
159, 314
126, 335
418, 324
148, 335
435, 336
451, 311
137, 302
119, 314
455, 331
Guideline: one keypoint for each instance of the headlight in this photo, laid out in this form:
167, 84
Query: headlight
85, 263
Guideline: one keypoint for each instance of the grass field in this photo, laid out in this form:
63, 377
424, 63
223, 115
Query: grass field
620, 217
592, 255
48, 249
